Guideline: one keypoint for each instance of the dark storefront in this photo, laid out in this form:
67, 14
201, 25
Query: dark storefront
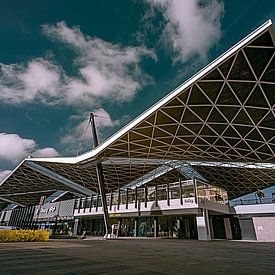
55, 217
162, 226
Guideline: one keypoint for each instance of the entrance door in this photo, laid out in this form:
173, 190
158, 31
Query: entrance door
218, 227
167, 227
127, 227
188, 228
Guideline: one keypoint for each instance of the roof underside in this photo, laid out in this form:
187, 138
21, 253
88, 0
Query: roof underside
226, 115
238, 181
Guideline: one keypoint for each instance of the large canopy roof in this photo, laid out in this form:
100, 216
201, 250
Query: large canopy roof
224, 114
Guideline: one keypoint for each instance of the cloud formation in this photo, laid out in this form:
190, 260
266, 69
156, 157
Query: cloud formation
47, 152
105, 71
14, 148
4, 174
39, 79
192, 27
80, 136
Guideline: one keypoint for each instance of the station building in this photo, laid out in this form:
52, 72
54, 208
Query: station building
174, 170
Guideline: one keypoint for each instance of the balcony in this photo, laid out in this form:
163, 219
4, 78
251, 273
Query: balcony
183, 197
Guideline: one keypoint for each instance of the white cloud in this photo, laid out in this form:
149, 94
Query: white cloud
192, 26
106, 70
4, 174
103, 119
47, 152
39, 79
80, 134
14, 148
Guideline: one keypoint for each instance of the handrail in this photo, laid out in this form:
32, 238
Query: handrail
252, 201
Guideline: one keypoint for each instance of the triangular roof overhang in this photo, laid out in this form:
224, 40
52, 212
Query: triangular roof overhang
225, 113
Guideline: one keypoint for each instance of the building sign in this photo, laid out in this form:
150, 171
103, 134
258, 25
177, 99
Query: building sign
46, 211
189, 200
115, 215
43, 210
55, 209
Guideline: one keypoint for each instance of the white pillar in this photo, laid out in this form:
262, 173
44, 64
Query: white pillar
179, 229
203, 226
76, 223
155, 227
228, 231
135, 228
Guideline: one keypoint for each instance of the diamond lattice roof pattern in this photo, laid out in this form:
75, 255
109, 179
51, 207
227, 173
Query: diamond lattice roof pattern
227, 115
238, 181
224, 113
116, 174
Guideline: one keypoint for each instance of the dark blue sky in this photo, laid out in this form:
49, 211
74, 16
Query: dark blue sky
61, 59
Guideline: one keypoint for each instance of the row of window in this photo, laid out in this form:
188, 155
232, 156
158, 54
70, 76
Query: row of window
178, 190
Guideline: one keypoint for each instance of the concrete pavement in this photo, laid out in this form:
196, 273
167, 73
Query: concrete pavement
148, 256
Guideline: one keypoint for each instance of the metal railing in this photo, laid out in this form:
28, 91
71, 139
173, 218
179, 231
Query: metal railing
169, 191
252, 201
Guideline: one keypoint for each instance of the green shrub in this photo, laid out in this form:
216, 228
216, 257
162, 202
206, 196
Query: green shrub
7, 236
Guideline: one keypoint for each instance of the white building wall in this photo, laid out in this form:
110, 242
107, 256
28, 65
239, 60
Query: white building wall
264, 228
257, 221
7, 216
255, 209
203, 226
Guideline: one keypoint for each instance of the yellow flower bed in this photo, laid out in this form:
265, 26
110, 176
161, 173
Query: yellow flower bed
7, 236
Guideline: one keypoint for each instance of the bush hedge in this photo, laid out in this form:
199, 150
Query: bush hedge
7, 236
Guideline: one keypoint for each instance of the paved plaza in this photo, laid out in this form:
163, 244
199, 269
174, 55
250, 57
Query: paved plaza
147, 256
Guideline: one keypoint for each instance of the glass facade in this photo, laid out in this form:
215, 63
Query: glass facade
182, 227
163, 192
154, 223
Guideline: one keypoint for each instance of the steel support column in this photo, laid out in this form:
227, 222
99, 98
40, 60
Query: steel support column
168, 195
145, 195
180, 186
11, 201
100, 178
195, 189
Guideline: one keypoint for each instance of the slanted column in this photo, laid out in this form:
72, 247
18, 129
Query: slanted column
127, 198
100, 179
195, 189
168, 194
203, 227
180, 186
156, 194
84, 204
145, 195
91, 205
97, 199
111, 200
136, 198
118, 199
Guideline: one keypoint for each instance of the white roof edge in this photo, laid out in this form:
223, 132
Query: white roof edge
230, 164
12, 171
176, 91
70, 160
